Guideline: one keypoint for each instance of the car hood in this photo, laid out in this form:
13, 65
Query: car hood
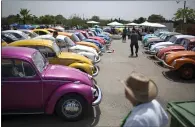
85, 48
175, 55
97, 38
154, 39
66, 74
160, 44
74, 56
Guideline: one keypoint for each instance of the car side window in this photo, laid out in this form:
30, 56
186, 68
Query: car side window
178, 41
14, 68
42, 33
46, 51
17, 35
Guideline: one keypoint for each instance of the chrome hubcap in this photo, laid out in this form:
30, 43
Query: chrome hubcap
71, 108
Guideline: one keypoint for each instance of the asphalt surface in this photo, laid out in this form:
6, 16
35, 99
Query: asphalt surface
114, 68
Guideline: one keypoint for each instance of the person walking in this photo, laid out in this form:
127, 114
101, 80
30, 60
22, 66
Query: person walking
128, 33
124, 34
134, 42
147, 111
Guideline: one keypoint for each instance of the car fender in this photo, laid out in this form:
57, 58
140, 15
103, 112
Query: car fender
181, 61
85, 67
81, 89
88, 55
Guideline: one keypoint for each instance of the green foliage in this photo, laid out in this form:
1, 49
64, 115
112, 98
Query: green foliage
24, 15
189, 15
156, 18
95, 18
139, 20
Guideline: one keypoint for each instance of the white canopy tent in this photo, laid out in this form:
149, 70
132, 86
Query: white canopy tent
146, 23
115, 24
132, 24
92, 22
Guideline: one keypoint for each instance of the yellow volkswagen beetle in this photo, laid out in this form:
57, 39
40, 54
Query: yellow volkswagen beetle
55, 56
41, 31
3, 43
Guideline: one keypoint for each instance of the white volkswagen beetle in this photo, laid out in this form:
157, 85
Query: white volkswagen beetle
65, 44
174, 40
18, 34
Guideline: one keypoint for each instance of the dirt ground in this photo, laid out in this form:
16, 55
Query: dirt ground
115, 67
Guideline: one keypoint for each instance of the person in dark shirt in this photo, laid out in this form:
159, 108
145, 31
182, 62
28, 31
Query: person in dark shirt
124, 34
128, 33
134, 42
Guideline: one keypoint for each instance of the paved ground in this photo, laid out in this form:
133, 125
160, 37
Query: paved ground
115, 67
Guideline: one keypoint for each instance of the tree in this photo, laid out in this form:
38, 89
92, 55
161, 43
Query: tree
25, 15
156, 18
47, 19
139, 20
95, 18
60, 19
189, 15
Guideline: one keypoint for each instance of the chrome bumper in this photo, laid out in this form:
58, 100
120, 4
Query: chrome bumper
150, 52
156, 57
97, 60
99, 98
167, 66
95, 70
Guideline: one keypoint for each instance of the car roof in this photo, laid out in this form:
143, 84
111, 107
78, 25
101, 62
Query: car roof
12, 31
61, 37
23, 52
34, 42
184, 36
44, 30
44, 36
65, 33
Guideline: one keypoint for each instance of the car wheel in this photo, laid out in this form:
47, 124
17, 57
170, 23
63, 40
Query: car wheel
187, 72
71, 107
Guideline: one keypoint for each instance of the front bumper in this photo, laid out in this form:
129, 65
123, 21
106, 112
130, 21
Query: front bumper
95, 70
97, 60
99, 98
167, 66
151, 52
156, 57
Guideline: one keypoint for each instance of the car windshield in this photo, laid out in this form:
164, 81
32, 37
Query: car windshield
185, 43
87, 34
69, 41
56, 48
173, 39
31, 34
39, 61
75, 38
82, 36
92, 34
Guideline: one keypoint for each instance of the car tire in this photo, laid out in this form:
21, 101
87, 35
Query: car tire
187, 71
75, 100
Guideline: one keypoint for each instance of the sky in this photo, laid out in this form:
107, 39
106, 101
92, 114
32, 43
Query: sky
128, 10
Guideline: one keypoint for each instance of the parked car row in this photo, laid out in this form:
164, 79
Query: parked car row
43, 74
174, 51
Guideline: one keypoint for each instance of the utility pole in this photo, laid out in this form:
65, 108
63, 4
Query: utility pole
184, 15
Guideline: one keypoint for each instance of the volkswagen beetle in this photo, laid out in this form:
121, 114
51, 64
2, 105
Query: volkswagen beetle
181, 61
31, 85
186, 44
55, 56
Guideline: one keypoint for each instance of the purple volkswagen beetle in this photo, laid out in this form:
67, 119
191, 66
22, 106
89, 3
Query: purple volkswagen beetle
31, 85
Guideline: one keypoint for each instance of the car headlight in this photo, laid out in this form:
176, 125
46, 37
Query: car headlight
173, 63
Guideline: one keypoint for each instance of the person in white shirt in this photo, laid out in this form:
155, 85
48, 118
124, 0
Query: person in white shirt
147, 112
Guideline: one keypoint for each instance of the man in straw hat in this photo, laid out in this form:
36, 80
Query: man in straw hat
147, 112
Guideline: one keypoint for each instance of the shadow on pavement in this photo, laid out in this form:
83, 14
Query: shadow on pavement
159, 64
90, 120
174, 76
151, 57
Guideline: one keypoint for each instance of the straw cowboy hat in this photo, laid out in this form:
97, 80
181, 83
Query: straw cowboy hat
141, 88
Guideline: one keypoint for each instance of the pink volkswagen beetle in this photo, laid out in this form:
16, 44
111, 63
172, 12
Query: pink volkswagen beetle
31, 85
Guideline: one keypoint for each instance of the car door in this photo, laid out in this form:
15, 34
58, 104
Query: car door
21, 87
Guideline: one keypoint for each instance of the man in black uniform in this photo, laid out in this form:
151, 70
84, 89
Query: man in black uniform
134, 42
